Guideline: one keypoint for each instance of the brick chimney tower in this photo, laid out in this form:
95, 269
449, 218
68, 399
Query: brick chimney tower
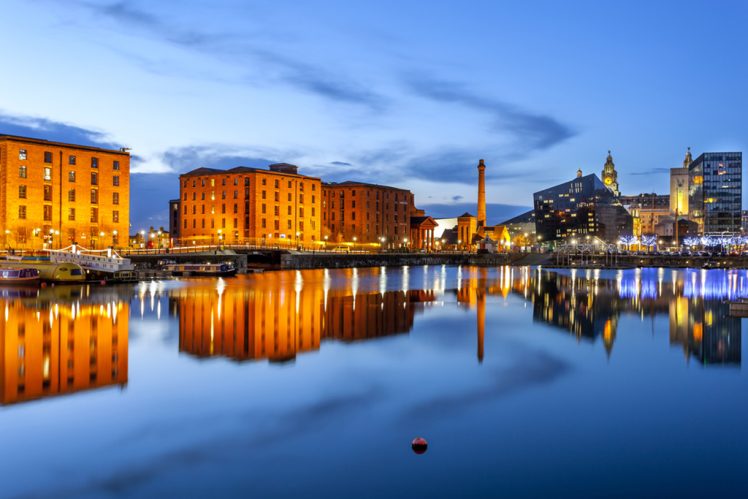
481, 196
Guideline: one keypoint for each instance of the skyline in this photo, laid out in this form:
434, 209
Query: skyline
228, 85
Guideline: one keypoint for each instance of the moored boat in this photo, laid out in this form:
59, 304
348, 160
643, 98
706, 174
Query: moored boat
19, 277
201, 269
48, 271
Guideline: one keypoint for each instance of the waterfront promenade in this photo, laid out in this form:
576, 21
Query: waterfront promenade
247, 259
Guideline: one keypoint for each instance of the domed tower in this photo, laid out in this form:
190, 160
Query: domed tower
610, 176
688, 159
579, 173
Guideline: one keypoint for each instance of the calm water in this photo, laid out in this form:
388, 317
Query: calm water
525, 381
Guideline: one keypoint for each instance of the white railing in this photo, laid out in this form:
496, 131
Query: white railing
106, 260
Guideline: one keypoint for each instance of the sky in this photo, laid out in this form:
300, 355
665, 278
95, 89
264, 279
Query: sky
404, 93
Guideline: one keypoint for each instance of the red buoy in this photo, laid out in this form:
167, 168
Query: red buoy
419, 445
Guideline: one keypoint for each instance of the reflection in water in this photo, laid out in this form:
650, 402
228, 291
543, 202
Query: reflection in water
589, 307
276, 318
67, 339
61, 340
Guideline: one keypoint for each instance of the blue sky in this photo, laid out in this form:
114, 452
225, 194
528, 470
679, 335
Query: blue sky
410, 93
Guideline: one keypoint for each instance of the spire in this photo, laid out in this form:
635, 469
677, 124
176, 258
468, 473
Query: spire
609, 175
688, 159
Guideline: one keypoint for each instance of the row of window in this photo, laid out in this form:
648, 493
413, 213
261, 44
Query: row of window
72, 159
236, 210
94, 218
276, 183
22, 194
246, 195
263, 224
47, 175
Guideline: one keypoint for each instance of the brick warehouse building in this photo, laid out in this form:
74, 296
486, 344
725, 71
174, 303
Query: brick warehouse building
53, 194
249, 205
370, 213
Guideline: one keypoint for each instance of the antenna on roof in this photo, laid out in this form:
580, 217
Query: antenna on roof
125, 149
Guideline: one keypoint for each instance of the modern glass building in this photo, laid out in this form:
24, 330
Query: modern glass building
580, 207
715, 192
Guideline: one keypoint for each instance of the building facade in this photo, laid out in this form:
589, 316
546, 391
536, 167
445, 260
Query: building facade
580, 207
366, 214
679, 181
174, 212
245, 205
53, 194
715, 192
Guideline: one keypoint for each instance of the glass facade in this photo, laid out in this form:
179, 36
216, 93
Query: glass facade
580, 207
715, 192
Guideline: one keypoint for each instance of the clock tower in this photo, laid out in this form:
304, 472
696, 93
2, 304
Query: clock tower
610, 176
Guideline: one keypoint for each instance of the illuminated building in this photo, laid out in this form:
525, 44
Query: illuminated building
679, 179
250, 205
53, 194
610, 176
62, 346
422, 230
366, 213
580, 207
522, 228
715, 192
174, 206
467, 227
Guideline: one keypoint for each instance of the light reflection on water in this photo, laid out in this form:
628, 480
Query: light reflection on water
414, 349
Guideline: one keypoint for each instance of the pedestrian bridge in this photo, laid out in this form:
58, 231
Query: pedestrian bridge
106, 260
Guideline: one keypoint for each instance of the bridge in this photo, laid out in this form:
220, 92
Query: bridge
107, 260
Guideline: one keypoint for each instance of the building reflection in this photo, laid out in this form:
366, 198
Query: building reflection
62, 340
589, 307
278, 317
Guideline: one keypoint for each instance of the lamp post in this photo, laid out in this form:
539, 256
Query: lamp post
405, 241
325, 241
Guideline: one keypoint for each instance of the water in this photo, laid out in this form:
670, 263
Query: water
526, 382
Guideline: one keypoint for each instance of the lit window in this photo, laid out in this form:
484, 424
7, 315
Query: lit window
22, 154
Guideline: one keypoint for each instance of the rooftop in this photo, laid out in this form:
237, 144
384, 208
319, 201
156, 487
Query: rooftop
352, 183
32, 140
204, 171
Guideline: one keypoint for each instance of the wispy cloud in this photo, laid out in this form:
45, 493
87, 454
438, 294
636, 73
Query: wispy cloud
651, 171
44, 128
183, 159
532, 131
241, 49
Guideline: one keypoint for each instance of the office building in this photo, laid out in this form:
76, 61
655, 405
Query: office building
715, 192
578, 208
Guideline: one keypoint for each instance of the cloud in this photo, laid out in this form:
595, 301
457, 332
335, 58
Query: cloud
457, 198
532, 131
184, 159
340, 163
43, 128
651, 171
242, 50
